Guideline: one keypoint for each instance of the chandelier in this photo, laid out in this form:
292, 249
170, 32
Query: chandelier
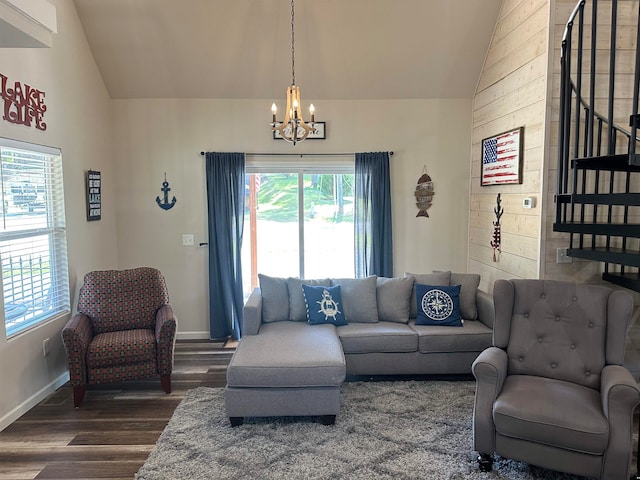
293, 128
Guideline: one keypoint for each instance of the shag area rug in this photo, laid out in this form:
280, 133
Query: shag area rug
385, 430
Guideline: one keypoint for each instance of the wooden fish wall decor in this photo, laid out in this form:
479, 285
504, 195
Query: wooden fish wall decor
424, 194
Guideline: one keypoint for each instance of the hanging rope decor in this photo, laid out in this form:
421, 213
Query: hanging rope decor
424, 193
495, 243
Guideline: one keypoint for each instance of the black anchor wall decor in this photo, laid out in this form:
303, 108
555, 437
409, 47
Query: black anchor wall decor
165, 204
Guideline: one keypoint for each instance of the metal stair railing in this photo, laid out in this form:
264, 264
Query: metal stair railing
581, 125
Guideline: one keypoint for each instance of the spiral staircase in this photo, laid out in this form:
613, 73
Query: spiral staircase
598, 184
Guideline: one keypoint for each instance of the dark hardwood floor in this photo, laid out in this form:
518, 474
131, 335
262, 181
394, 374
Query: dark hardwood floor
112, 434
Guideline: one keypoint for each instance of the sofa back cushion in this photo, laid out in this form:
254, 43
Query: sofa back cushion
393, 297
122, 299
469, 283
275, 298
297, 305
359, 298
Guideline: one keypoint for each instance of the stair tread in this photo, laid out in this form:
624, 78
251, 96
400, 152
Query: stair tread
619, 256
616, 250
618, 162
626, 280
630, 199
600, 223
591, 228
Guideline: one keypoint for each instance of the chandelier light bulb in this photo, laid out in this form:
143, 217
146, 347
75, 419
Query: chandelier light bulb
274, 110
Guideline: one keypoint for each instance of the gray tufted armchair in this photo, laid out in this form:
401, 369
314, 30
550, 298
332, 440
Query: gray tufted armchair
552, 390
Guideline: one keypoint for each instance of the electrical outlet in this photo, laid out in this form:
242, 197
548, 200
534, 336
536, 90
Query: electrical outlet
562, 255
187, 240
46, 347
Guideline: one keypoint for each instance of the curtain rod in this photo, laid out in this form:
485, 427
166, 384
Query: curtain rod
299, 154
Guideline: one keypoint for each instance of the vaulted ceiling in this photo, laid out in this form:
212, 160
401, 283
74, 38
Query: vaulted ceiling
241, 49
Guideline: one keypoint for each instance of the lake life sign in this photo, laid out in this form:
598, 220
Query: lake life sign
94, 195
23, 104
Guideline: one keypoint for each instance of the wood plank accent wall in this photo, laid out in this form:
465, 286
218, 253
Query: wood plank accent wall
511, 92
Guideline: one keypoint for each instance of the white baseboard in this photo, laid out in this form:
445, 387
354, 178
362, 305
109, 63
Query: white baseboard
33, 400
192, 335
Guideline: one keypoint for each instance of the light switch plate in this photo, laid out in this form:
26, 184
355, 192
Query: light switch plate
187, 240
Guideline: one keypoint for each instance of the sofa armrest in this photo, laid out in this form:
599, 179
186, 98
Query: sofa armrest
486, 311
165, 332
252, 313
620, 395
490, 371
76, 336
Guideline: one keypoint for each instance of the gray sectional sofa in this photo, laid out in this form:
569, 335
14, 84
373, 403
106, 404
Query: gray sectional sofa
285, 366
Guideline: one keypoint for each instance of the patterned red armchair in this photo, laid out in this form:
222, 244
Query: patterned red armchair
124, 330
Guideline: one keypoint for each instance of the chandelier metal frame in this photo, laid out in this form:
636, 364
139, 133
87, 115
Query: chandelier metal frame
293, 128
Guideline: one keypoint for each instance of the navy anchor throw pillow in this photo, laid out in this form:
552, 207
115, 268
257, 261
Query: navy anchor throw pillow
438, 305
324, 305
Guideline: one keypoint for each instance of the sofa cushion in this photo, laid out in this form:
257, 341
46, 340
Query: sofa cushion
393, 297
469, 283
359, 298
324, 305
378, 337
288, 354
297, 306
552, 412
471, 337
438, 305
436, 278
275, 298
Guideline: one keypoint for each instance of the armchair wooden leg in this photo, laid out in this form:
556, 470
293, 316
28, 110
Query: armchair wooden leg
165, 381
78, 395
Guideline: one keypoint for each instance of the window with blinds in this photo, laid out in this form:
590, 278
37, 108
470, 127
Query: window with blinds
33, 242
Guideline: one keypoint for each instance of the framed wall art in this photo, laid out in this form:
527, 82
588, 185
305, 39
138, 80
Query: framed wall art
319, 132
94, 195
502, 158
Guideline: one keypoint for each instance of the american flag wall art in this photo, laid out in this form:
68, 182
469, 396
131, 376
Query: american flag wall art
502, 158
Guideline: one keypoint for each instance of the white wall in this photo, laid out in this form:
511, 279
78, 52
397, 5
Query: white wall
79, 122
155, 136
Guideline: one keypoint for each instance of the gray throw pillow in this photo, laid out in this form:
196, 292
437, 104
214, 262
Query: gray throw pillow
435, 279
297, 305
469, 285
394, 297
275, 298
359, 299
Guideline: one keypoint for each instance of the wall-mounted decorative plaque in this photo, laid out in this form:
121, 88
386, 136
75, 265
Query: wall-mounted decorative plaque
94, 195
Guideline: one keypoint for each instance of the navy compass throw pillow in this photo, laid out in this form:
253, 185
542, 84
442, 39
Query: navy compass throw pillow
438, 305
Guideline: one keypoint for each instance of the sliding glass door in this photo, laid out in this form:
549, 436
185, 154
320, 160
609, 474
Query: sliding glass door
298, 223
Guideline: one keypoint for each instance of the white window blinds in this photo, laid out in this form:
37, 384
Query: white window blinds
33, 244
